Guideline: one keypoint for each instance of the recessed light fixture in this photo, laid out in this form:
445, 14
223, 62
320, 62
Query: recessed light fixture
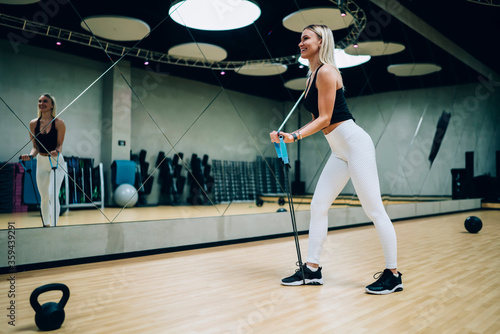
214, 15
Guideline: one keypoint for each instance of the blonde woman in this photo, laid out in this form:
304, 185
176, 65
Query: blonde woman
353, 156
49, 132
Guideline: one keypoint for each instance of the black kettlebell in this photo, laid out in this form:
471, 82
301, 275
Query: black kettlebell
49, 316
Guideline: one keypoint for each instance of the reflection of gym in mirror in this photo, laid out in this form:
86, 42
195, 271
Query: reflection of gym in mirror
162, 133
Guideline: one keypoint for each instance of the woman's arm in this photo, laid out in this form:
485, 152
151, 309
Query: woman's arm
327, 82
34, 150
61, 132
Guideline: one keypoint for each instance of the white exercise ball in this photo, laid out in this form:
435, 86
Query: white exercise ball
126, 195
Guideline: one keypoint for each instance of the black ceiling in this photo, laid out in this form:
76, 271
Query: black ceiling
472, 26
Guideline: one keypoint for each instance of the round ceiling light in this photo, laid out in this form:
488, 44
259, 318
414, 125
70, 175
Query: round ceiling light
343, 60
375, 48
296, 84
264, 69
204, 51
413, 69
116, 28
331, 17
214, 15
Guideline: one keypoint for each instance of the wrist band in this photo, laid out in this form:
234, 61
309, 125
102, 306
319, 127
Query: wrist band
294, 136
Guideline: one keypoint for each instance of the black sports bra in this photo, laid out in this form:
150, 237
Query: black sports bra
340, 111
46, 142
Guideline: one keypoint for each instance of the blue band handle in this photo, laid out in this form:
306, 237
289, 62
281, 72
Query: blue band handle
281, 151
27, 169
57, 161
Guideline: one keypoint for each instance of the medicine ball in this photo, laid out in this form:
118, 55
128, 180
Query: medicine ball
473, 224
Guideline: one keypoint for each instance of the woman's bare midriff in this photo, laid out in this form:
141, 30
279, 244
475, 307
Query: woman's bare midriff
331, 127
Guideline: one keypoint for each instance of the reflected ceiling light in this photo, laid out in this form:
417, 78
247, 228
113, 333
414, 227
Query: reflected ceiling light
214, 15
343, 60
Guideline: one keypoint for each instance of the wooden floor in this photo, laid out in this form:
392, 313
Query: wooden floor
451, 285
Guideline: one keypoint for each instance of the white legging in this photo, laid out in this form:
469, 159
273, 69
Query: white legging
353, 155
45, 183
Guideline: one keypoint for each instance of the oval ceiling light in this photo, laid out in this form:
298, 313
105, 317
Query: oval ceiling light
413, 69
375, 48
331, 17
343, 60
116, 28
203, 51
215, 15
263, 69
296, 84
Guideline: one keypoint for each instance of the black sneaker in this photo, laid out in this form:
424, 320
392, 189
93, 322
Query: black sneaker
311, 277
386, 283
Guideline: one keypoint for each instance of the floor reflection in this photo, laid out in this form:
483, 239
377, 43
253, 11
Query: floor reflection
269, 204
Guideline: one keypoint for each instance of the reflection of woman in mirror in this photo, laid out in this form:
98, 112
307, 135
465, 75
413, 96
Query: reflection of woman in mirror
49, 132
353, 156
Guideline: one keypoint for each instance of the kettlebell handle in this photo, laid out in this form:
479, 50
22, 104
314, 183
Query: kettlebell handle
49, 287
